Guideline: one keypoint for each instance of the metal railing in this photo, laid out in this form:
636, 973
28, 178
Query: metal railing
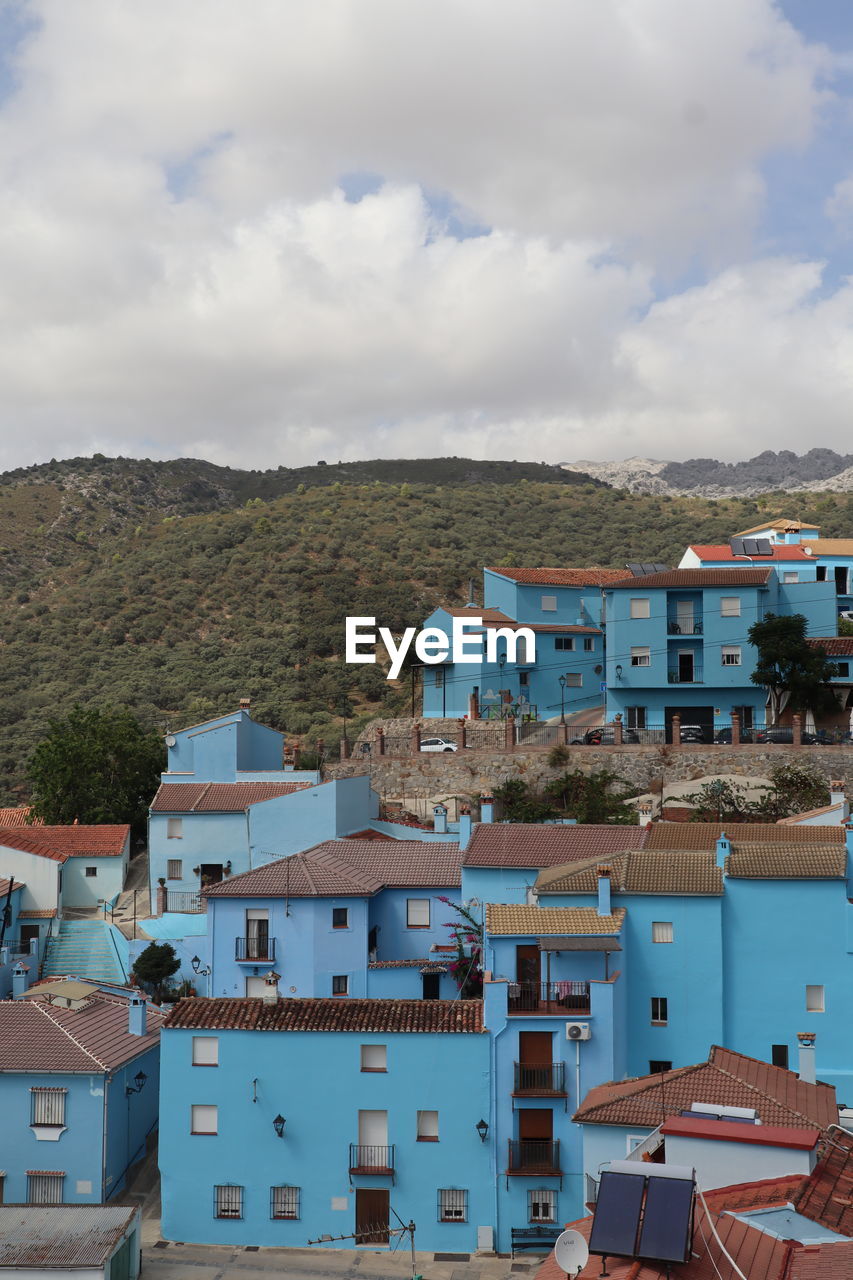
675, 677
254, 948
539, 735
693, 628
540, 1077
548, 997
534, 1155
370, 1158
185, 902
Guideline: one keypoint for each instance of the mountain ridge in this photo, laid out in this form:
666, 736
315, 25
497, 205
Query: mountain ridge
817, 471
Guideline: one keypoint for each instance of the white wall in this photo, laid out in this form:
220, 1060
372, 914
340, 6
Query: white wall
39, 875
722, 1164
80, 890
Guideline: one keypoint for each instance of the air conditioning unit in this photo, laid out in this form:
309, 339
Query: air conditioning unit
578, 1031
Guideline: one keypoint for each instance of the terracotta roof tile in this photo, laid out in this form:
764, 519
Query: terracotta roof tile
827, 1197
15, 838
511, 920
5, 885
780, 524
639, 871
38, 913
592, 577
832, 546
674, 578
704, 835
342, 1014
219, 797
494, 618
728, 1079
18, 817
299, 876
536, 845
349, 868
425, 966
35, 1036
833, 646
82, 841
765, 860
723, 551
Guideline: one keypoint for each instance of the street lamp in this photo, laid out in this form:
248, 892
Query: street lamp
483, 1129
139, 1083
278, 1124
196, 964
562, 699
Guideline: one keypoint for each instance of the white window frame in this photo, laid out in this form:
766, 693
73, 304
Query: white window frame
730, 606
427, 1126
815, 998
633, 1140
635, 717
641, 655
47, 1107
284, 1203
228, 1201
340, 978
640, 607
542, 1205
205, 1051
662, 931
374, 1057
589, 644
452, 1204
174, 869
174, 828
204, 1120
417, 907
662, 1003
730, 655
548, 604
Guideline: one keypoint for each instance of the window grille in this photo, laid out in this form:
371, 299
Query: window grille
452, 1205
661, 931
541, 1205
284, 1202
48, 1106
91, 872
174, 869
44, 1188
228, 1201
574, 679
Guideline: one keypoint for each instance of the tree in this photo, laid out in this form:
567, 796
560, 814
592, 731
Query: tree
591, 797
154, 966
96, 765
518, 804
467, 934
793, 672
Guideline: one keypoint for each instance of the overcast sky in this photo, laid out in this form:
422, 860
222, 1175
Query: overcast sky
265, 232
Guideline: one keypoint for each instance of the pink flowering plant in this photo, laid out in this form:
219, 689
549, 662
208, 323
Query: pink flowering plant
466, 968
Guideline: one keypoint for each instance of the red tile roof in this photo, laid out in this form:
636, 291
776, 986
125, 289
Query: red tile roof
722, 551
80, 841
342, 1014
528, 844
593, 577
675, 578
406, 864
38, 913
36, 1036
18, 817
298, 876
494, 618
827, 1197
219, 797
349, 868
704, 835
728, 1079
428, 965
14, 838
4, 887
833, 646
763, 1135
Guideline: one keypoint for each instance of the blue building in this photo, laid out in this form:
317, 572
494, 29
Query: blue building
79, 1084
284, 1120
563, 609
677, 643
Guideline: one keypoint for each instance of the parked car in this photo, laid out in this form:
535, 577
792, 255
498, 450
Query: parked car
785, 734
605, 736
692, 733
724, 736
437, 744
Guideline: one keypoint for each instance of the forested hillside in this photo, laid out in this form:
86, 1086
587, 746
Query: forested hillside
179, 615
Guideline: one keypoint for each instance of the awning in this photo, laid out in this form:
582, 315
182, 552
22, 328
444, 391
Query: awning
580, 944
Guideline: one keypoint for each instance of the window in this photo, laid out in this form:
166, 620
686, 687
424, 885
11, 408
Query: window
635, 717
44, 1188
174, 869
523, 678
640, 607
657, 1065
633, 1140
549, 604
174, 828
842, 668
228, 1201
790, 576
90, 872
438, 677
541, 1205
779, 1055
452, 1205
284, 1202
641, 656
2, 1179
564, 642
574, 679
661, 931
47, 1106
731, 655
204, 1119
340, 917
417, 913
820, 573
729, 606
374, 1057
205, 1051
814, 999
340, 984
659, 1011
588, 644
427, 1126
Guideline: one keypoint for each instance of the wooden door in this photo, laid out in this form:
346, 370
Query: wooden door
527, 964
372, 1211
28, 932
536, 1124
535, 1048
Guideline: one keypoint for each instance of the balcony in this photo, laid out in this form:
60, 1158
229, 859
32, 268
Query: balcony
684, 628
254, 950
371, 1159
685, 677
534, 1158
542, 998
540, 1080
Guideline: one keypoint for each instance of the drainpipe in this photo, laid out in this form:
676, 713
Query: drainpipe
493, 1118
106, 1082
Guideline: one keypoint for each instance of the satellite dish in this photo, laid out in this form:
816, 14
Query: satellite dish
170, 740
571, 1252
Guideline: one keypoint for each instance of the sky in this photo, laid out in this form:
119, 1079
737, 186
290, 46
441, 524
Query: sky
265, 232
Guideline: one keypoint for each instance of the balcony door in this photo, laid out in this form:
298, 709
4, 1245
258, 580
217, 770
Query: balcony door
535, 1052
527, 964
685, 665
536, 1124
257, 934
373, 1128
684, 616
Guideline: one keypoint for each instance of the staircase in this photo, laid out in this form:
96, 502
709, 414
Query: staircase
84, 949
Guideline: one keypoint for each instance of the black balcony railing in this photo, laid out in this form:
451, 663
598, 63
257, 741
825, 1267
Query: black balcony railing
549, 997
684, 628
534, 1156
370, 1158
255, 949
540, 1077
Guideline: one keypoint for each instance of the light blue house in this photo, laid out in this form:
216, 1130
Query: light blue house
289, 1120
19, 944
677, 643
79, 1083
350, 917
563, 609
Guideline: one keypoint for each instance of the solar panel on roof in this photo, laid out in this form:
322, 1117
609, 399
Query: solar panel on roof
635, 569
736, 545
617, 1214
659, 567
765, 547
667, 1221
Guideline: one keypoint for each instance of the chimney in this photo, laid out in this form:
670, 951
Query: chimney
439, 819
837, 796
270, 995
487, 808
644, 814
464, 830
245, 703
807, 1071
723, 849
137, 1015
20, 979
604, 891
472, 601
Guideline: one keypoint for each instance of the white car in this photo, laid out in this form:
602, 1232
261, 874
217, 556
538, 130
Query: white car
437, 744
